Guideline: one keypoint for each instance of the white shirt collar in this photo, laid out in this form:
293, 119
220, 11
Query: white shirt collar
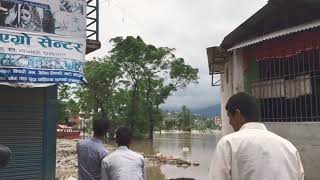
253, 125
123, 147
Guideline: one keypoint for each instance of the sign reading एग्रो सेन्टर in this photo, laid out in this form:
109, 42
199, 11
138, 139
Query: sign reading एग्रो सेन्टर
42, 41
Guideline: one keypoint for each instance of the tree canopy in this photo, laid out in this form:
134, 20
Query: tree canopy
128, 86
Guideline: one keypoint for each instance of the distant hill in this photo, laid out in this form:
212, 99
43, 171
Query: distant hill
210, 111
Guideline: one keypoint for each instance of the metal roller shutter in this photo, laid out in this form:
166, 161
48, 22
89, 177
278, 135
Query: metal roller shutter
22, 130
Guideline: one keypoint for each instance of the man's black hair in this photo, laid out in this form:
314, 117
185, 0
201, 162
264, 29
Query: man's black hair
123, 136
100, 127
246, 104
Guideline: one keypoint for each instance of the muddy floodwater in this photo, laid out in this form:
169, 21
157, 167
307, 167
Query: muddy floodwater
193, 147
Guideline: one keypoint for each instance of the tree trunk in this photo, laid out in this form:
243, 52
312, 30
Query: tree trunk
103, 110
151, 123
133, 108
150, 110
160, 117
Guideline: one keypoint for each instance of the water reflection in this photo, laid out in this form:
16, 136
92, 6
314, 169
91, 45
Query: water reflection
145, 146
154, 173
200, 148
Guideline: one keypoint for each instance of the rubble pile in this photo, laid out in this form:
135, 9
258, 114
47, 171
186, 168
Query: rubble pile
66, 159
161, 159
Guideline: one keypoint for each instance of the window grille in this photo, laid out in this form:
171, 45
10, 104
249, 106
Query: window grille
288, 88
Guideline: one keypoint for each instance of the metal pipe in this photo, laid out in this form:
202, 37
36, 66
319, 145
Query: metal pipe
97, 20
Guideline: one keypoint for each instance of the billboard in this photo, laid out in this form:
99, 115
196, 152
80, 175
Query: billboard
42, 41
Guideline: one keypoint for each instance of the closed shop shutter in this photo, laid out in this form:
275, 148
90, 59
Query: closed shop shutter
22, 130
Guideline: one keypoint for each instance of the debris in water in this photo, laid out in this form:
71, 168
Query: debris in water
163, 159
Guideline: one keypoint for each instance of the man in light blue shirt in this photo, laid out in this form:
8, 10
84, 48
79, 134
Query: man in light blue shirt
123, 164
91, 152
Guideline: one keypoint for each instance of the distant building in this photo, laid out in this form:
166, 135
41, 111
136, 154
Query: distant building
217, 121
75, 121
275, 56
67, 132
197, 122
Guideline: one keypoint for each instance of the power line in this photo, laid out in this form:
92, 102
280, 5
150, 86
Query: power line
125, 14
123, 11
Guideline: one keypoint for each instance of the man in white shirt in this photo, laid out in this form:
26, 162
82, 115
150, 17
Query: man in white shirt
252, 152
91, 152
123, 164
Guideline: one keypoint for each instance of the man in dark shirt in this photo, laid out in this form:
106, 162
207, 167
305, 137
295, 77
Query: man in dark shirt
91, 152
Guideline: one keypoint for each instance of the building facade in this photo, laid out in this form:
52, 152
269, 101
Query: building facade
275, 56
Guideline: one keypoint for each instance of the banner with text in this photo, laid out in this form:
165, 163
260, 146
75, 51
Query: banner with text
42, 41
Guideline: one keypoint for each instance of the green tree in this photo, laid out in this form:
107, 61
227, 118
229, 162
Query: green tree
129, 53
185, 119
128, 86
182, 74
67, 106
103, 78
147, 68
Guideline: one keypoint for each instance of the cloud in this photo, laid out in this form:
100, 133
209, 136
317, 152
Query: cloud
188, 26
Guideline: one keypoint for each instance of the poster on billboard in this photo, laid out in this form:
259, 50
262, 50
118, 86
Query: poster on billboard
42, 41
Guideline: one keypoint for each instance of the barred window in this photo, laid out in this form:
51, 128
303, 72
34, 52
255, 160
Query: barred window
288, 88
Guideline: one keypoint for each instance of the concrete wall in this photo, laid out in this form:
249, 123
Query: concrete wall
231, 83
226, 92
237, 72
306, 137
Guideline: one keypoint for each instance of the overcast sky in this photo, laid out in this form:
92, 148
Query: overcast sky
189, 26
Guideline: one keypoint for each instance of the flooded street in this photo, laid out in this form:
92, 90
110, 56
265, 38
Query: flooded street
200, 149
195, 147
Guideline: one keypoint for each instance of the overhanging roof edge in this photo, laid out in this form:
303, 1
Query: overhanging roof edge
276, 34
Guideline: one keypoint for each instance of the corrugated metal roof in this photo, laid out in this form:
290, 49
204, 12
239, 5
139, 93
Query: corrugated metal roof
273, 17
242, 30
276, 34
